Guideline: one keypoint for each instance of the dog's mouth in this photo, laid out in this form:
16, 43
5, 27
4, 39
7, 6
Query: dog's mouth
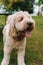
26, 32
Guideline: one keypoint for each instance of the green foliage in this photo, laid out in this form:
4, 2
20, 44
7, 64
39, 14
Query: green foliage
40, 2
26, 5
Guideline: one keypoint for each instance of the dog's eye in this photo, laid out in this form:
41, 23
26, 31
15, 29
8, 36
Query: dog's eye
21, 19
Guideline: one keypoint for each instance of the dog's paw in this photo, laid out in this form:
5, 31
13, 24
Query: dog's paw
22, 64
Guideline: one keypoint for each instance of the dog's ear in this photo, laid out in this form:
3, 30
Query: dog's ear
11, 22
12, 31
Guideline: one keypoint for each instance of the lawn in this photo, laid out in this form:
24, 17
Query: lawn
34, 47
2, 20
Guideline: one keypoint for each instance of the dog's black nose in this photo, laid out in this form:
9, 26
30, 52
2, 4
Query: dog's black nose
29, 23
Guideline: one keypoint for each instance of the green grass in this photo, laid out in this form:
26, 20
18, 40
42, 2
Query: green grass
34, 47
2, 19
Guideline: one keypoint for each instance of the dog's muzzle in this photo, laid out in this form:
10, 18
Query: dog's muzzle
26, 32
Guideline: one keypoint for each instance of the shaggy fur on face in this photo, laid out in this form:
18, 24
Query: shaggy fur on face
17, 28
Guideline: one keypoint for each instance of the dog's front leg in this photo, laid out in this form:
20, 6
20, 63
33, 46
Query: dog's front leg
6, 58
21, 54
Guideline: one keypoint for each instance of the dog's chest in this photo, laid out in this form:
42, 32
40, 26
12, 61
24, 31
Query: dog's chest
18, 38
18, 43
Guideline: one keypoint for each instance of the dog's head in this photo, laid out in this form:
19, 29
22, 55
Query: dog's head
21, 23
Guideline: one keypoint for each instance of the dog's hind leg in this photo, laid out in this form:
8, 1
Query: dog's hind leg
6, 58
